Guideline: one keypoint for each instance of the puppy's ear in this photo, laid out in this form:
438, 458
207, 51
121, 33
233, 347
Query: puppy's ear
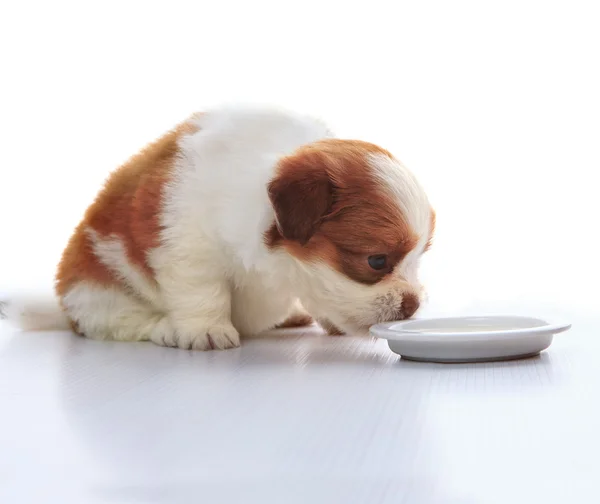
301, 194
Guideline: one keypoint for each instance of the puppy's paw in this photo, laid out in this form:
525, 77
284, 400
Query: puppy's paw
216, 337
203, 337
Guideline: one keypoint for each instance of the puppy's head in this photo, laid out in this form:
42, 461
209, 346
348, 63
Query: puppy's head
356, 221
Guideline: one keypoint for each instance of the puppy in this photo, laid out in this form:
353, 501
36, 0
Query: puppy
234, 222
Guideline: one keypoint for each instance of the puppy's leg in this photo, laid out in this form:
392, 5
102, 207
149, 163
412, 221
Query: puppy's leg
298, 317
330, 328
108, 313
256, 308
198, 304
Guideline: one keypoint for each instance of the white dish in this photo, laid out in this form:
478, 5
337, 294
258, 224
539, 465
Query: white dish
468, 339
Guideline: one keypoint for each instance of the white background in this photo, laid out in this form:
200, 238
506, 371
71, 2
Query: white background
495, 106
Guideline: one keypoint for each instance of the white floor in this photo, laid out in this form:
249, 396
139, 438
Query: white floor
300, 419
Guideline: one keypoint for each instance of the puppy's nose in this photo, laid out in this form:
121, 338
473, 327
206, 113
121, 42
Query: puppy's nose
410, 304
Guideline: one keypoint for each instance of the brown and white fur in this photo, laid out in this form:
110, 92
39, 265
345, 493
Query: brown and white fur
236, 221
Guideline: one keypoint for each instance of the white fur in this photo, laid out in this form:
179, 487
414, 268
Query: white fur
215, 277
34, 312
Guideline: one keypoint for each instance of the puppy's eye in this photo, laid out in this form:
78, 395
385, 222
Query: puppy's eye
378, 262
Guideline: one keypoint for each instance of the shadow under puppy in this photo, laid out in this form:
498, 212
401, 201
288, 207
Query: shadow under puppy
236, 221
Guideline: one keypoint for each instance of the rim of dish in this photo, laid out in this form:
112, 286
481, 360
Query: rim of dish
383, 330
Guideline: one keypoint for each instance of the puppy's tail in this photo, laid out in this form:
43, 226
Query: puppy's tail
34, 313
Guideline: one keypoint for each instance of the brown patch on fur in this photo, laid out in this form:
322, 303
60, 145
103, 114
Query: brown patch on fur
128, 208
410, 304
75, 327
431, 231
301, 198
330, 328
330, 207
296, 320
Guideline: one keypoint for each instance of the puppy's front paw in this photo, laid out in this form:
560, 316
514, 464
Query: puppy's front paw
210, 337
216, 337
